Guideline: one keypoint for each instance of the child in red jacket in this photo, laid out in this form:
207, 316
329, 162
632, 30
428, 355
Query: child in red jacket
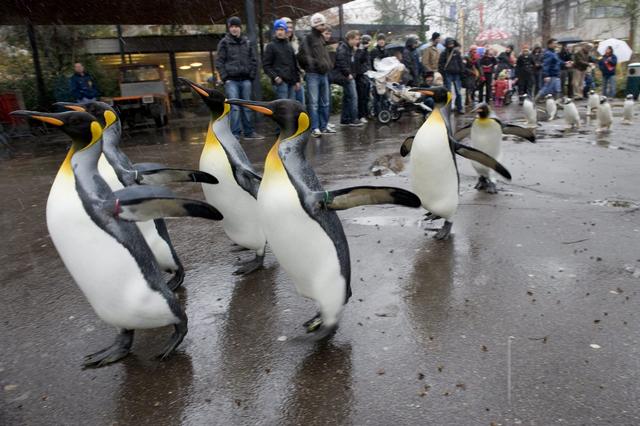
501, 88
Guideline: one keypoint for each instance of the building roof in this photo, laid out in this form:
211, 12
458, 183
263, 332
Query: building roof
160, 12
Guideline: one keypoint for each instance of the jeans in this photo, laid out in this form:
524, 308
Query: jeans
484, 92
318, 87
349, 103
609, 86
457, 84
239, 115
578, 82
285, 91
552, 86
300, 95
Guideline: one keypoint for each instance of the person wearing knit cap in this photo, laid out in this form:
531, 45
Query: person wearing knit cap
279, 63
314, 59
237, 64
295, 43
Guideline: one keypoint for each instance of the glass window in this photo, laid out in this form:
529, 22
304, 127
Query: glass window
132, 75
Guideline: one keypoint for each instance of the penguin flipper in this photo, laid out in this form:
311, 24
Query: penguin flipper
523, 132
346, 198
142, 203
248, 180
482, 158
463, 132
158, 174
405, 149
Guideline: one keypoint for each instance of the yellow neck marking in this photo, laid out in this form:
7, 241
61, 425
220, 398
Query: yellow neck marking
212, 143
273, 164
65, 168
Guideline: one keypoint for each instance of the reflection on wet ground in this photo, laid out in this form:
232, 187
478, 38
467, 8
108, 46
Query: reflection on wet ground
551, 261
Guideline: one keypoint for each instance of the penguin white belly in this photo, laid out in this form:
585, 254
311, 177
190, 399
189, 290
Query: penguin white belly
592, 103
301, 246
604, 115
627, 111
552, 109
240, 210
487, 137
158, 245
433, 173
571, 115
530, 113
105, 271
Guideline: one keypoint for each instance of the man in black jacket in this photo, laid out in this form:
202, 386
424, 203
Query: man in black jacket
525, 72
236, 62
344, 74
362, 64
379, 51
451, 67
410, 61
314, 59
280, 63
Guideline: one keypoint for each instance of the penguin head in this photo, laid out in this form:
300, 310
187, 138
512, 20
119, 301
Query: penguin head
629, 97
567, 100
213, 99
291, 116
105, 115
482, 110
440, 94
82, 127
603, 99
523, 97
549, 96
592, 92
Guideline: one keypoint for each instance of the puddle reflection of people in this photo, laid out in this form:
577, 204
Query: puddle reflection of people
321, 391
154, 392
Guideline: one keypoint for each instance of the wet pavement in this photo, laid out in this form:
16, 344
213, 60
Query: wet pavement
527, 315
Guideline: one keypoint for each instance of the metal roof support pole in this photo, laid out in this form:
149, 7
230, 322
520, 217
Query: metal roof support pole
340, 20
250, 10
120, 43
174, 79
42, 91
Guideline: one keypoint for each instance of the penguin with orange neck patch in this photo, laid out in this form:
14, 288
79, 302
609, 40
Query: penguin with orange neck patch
237, 189
433, 168
299, 219
105, 253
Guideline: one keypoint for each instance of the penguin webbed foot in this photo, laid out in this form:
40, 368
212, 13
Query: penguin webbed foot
431, 217
445, 231
238, 249
491, 187
178, 278
482, 183
314, 323
180, 330
249, 266
324, 332
118, 350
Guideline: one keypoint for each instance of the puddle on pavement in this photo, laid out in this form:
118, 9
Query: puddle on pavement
385, 221
622, 204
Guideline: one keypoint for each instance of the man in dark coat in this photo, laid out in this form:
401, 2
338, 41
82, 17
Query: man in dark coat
538, 57
525, 72
409, 60
237, 64
280, 63
379, 51
451, 67
487, 65
566, 73
344, 75
314, 59
83, 86
362, 65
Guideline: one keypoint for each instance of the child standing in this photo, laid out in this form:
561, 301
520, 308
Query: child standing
502, 86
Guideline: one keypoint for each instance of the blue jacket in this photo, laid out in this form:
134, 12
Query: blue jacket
613, 60
551, 64
83, 86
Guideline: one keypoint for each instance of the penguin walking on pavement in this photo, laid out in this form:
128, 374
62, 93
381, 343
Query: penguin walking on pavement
605, 116
627, 110
486, 132
119, 172
299, 219
530, 112
105, 254
551, 107
433, 168
592, 103
237, 191
571, 115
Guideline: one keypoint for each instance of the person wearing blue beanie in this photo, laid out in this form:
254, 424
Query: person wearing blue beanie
280, 63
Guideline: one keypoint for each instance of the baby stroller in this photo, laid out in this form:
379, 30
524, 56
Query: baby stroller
391, 97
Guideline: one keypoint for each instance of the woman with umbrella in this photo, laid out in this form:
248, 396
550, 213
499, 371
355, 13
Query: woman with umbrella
607, 65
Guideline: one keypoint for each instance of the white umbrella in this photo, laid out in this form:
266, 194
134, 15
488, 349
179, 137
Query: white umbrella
621, 49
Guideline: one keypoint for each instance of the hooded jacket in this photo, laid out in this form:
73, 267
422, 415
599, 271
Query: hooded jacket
236, 60
345, 64
313, 56
450, 61
280, 61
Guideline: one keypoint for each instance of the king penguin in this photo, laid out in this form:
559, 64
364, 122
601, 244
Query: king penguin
605, 116
627, 110
298, 216
237, 191
105, 254
486, 132
119, 172
551, 107
433, 167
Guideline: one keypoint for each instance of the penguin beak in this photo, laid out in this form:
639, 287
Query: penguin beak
45, 117
196, 87
71, 106
423, 91
261, 107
